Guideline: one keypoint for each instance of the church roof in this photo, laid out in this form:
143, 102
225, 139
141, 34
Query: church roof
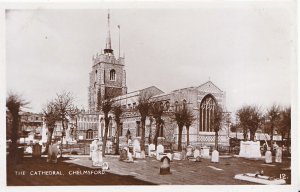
209, 87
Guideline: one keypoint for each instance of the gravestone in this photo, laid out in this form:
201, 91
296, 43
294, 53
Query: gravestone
250, 149
196, 153
205, 152
165, 166
109, 147
97, 155
28, 149
159, 150
37, 150
130, 159
278, 156
52, 153
92, 147
136, 148
189, 151
143, 155
151, 150
268, 156
215, 156
123, 155
183, 154
177, 156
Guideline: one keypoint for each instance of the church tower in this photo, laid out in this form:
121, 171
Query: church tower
108, 76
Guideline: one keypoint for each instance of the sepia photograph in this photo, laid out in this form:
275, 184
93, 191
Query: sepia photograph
198, 94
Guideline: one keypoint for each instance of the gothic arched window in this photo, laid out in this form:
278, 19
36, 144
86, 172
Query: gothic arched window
112, 75
207, 107
89, 134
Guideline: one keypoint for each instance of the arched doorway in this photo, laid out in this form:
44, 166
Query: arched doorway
207, 107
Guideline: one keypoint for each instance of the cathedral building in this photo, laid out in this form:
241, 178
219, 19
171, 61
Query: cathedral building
107, 79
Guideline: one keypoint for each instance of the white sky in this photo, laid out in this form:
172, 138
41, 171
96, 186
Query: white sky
246, 49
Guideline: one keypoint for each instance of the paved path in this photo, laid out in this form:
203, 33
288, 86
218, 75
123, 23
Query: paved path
188, 172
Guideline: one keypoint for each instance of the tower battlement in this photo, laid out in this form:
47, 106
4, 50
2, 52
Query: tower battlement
106, 58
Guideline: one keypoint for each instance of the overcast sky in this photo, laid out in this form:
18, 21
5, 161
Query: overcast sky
245, 49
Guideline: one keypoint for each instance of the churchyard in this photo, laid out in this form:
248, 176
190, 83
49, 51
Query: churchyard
163, 166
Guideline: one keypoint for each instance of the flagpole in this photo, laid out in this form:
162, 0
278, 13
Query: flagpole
119, 40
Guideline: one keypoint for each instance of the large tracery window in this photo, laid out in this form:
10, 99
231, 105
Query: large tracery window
207, 107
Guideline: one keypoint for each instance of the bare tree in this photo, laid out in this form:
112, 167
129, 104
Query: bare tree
117, 111
273, 115
65, 109
156, 109
181, 116
51, 116
285, 124
14, 104
143, 107
106, 108
250, 118
217, 118
190, 118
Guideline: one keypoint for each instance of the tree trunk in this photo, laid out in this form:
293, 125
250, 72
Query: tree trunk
272, 131
14, 137
156, 133
180, 138
150, 133
187, 135
106, 119
216, 140
62, 137
117, 139
143, 134
252, 135
49, 139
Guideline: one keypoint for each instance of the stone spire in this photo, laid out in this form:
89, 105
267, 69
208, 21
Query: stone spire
108, 49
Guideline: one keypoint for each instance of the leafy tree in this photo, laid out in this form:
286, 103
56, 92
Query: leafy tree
51, 116
143, 107
273, 115
117, 111
216, 123
250, 118
14, 104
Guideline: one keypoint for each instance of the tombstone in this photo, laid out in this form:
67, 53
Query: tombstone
250, 149
215, 156
105, 166
52, 153
189, 151
198, 159
143, 155
136, 148
159, 150
268, 156
196, 153
205, 152
278, 156
165, 166
37, 150
183, 154
151, 150
92, 148
177, 156
97, 155
108, 148
130, 159
28, 149
123, 155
